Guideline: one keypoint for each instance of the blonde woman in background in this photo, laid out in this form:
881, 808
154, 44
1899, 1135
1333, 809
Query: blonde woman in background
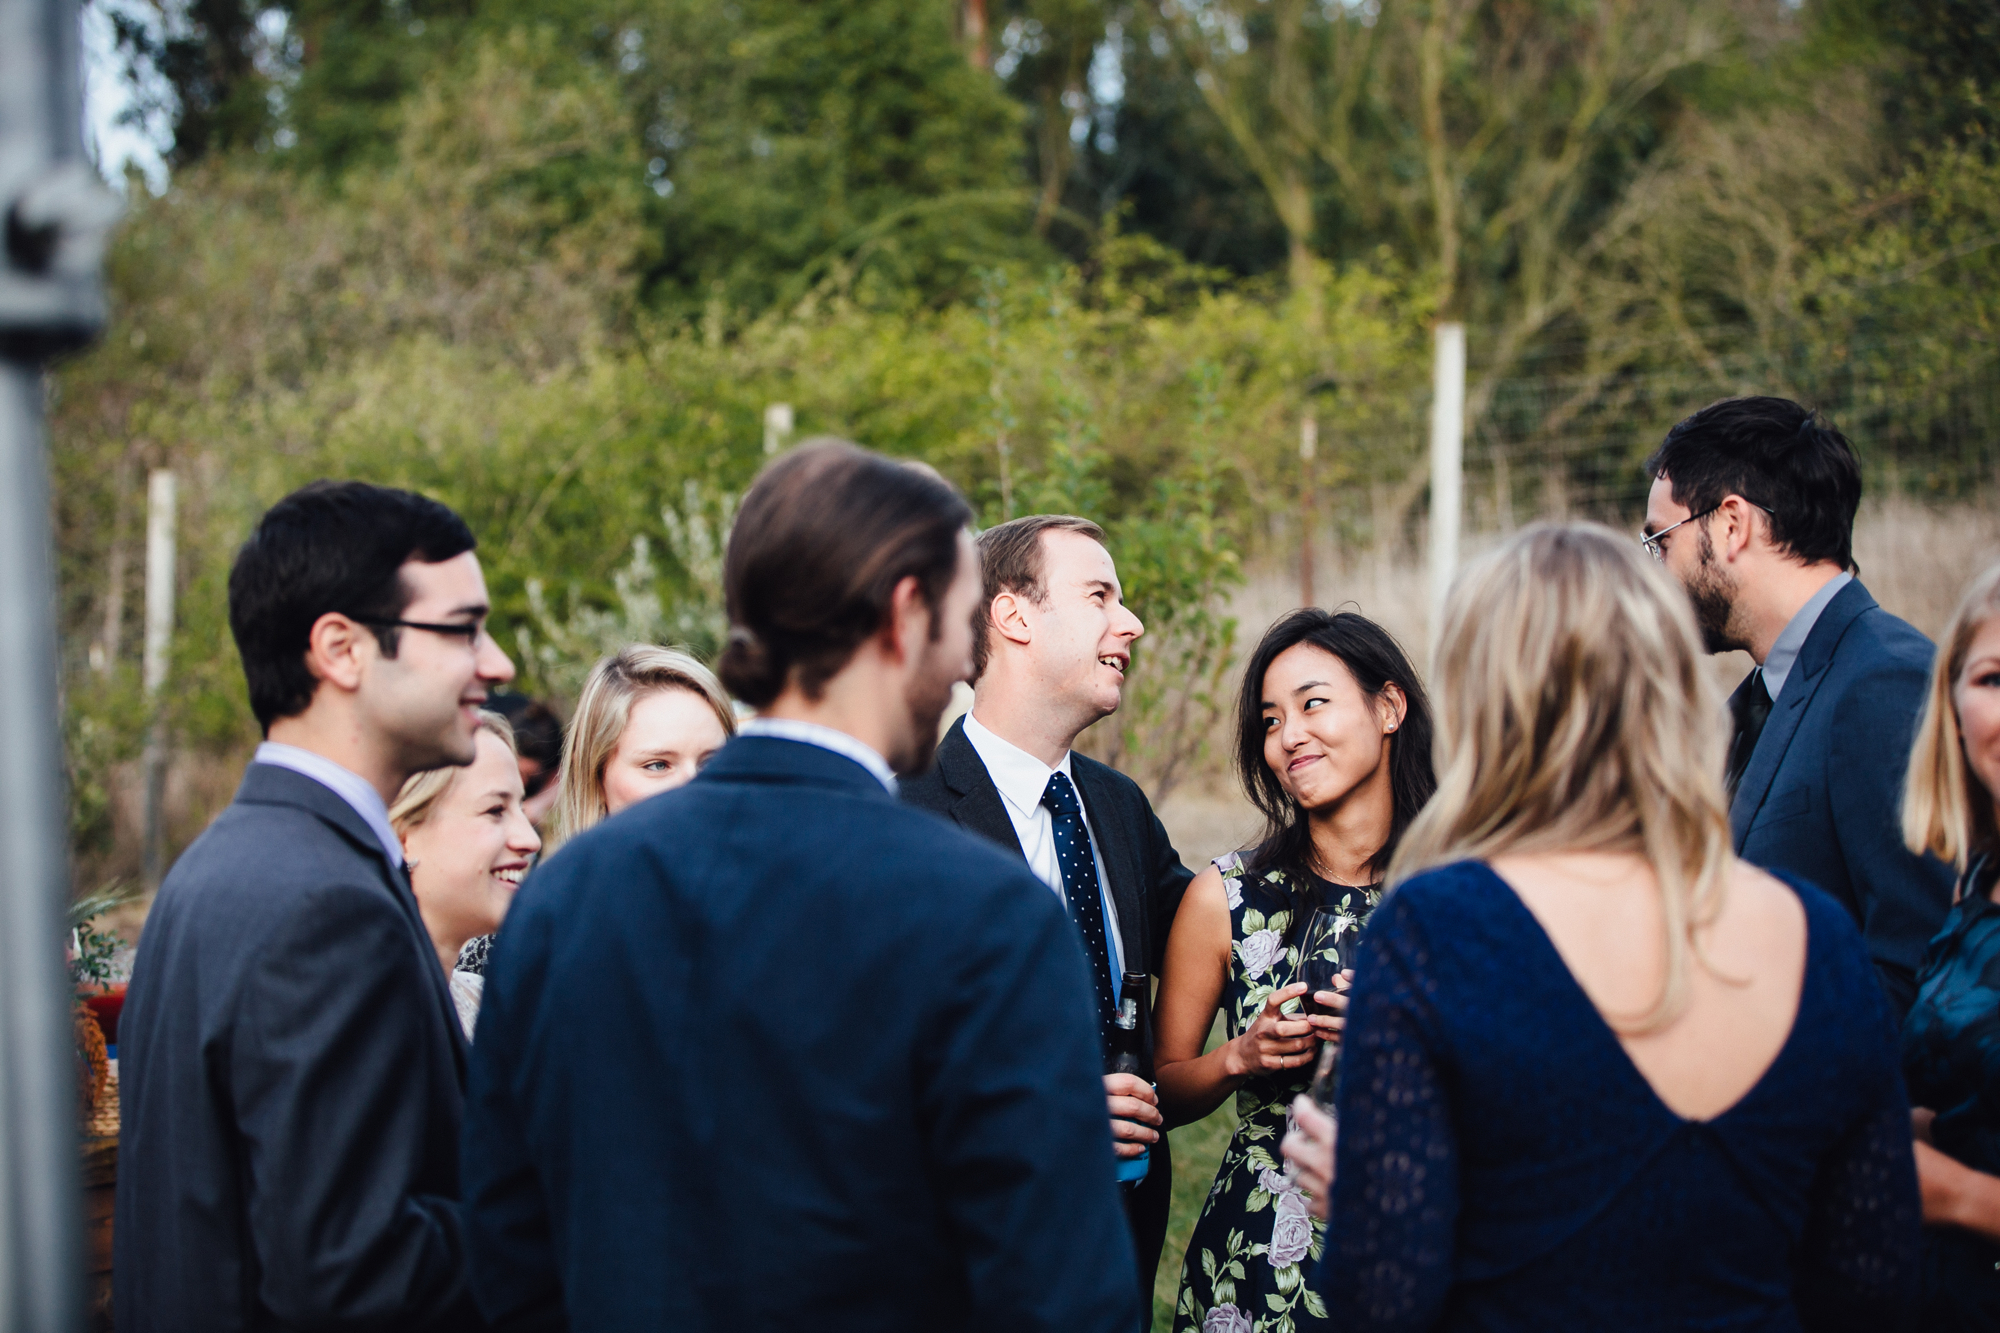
648, 719
1599, 1074
466, 842
1951, 1040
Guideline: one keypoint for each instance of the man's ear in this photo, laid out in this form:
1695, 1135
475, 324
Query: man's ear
1009, 613
1741, 517
907, 627
338, 649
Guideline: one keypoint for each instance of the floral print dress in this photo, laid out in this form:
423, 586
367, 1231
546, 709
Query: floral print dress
1246, 1262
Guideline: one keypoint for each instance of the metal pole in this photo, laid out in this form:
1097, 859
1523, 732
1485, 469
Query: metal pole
56, 213
159, 645
40, 1224
1308, 450
1447, 465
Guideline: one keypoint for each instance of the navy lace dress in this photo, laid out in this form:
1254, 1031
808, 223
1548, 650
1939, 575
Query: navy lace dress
1503, 1165
1951, 1061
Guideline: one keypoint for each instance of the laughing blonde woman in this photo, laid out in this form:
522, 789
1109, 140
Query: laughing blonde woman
467, 842
1599, 1074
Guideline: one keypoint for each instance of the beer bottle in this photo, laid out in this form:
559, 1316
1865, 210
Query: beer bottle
1125, 1053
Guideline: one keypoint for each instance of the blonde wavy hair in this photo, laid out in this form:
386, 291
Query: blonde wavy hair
1576, 712
602, 711
1947, 810
422, 791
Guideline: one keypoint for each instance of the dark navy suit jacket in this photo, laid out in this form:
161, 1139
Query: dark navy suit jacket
290, 1070
1822, 797
774, 1051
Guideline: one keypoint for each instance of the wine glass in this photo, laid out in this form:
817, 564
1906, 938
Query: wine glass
1319, 954
1326, 1077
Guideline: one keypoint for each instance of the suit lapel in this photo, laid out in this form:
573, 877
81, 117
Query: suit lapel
977, 806
271, 784
1121, 865
1800, 687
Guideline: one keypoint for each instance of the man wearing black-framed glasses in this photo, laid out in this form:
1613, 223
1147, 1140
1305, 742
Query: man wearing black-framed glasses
291, 1063
1752, 509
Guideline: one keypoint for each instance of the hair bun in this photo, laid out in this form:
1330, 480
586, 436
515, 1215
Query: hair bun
746, 668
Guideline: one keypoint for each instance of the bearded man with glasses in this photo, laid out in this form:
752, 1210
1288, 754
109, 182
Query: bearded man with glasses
1752, 509
291, 1062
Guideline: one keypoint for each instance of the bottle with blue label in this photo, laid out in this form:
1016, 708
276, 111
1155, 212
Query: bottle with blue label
1127, 1055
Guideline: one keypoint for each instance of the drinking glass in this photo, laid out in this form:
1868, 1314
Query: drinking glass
1325, 1077
1319, 954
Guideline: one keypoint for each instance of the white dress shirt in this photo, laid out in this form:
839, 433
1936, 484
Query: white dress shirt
1022, 779
826, 738
345, 783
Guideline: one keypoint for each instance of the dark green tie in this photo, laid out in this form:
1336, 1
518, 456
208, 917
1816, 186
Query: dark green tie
1751, 709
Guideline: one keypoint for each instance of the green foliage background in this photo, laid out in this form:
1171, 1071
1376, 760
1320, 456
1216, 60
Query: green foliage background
551, 263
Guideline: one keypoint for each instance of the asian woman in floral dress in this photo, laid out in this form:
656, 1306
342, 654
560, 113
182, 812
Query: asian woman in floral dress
1334, 748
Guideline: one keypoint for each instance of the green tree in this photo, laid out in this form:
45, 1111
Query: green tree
798, 143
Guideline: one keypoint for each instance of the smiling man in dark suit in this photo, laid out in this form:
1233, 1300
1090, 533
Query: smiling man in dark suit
1054, 641
1752, 509
290, 1058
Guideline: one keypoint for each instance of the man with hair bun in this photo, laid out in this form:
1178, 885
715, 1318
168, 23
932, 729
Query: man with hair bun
773, 1051
1752, 510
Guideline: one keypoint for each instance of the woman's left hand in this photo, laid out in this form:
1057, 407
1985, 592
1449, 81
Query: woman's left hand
1309, 1149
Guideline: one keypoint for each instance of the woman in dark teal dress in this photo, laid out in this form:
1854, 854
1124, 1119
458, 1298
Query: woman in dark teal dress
1333, 746
1951, 1039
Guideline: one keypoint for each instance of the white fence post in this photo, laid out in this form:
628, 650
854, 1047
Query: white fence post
160, 504
1447, 465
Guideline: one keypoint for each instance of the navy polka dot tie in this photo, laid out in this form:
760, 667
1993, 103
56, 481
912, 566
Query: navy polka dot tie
1079, 878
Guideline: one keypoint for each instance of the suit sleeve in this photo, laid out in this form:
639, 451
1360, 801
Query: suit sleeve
1011, 1101
337, 1125
1166, 882
1902, 897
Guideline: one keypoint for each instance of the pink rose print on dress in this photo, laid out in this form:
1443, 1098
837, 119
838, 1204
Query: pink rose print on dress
1259, 951
1291, 1234
1226, 1319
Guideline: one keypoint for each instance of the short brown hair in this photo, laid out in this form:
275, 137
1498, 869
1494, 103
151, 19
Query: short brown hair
1011, 559
823, 538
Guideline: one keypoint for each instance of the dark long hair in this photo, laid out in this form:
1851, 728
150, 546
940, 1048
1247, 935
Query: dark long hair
1375, 660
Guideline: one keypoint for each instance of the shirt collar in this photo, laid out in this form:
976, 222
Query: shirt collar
345, 783
812, 733
1020, 776
1791, 640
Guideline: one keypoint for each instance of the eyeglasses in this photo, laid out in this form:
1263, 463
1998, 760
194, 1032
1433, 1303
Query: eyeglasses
1652, 541
471, 633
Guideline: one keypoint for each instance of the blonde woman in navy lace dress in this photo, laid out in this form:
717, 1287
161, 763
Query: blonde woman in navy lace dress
1333, 746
